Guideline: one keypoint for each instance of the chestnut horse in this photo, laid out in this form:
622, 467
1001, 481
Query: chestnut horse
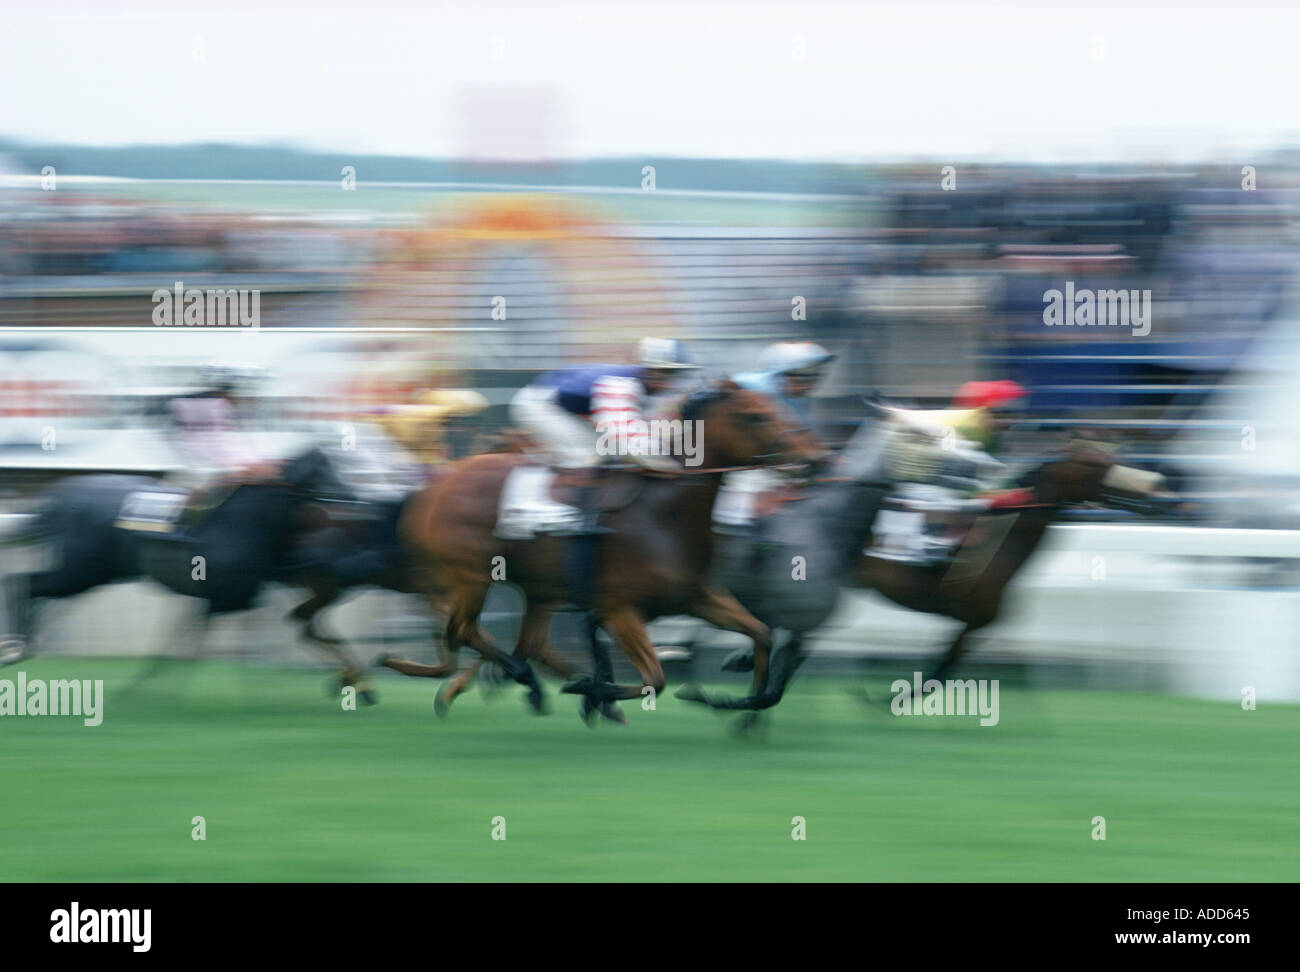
654, 560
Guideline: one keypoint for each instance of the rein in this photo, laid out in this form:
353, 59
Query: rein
1015, 499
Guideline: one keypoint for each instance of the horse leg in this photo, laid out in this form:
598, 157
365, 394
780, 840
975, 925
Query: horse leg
442, 645
604, 675
627, 628
532, 645
351, 673
596, 687
454, 686
21, 613
785, 662
722, 610
189, 631
463, 629
26, 596
956, 649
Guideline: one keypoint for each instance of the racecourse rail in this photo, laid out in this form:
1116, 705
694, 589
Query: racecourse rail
1190, 611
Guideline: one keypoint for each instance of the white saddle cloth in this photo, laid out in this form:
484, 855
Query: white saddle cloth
740, 491
899, 528
153, 511
526, 508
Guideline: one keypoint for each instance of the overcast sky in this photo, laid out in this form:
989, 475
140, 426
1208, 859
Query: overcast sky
848, 81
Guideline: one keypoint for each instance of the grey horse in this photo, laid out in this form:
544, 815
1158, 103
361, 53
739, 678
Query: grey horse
789, 570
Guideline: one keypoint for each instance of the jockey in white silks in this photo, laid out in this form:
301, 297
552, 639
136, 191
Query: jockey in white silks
789, 371
207, 436
571, 414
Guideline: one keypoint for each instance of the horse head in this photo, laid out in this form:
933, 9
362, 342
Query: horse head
739, 427
1088, 473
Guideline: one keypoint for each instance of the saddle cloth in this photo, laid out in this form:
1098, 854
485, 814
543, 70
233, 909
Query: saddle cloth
533, 502
923, 525
526, 508
152, 510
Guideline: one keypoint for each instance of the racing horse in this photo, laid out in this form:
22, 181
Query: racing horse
970, 590
654, 560
105, 532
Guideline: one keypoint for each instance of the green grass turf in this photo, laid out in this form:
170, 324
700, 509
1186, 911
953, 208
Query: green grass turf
294, 788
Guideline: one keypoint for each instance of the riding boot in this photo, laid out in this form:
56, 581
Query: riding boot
586, 501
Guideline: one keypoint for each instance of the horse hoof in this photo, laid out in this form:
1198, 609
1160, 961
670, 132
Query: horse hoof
12, 651
587, 710
580, 685
441, 707
741, 660
369, 696
748, 726
536, 700
613, 712
691, 693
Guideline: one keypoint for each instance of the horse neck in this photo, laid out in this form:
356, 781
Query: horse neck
711, 455
1024, 538
268, 508
846, 517
696, 496
689, 505
713, 458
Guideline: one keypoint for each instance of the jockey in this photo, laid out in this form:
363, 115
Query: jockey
951, 447
572, 412
983, 399
396, 445
789, 371
208, 437
939, 458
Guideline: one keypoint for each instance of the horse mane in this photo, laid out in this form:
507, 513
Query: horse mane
698, 399
509, 440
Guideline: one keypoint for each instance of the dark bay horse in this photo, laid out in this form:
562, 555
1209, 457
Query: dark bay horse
655, 560
974, 597
969, 594
247, 541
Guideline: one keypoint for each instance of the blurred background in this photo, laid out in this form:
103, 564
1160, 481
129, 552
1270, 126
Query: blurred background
530, 220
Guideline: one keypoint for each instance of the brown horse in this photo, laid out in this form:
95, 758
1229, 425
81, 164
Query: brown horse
970, 590
974, 597
654, 561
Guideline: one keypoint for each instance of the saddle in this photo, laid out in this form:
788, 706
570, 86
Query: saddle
539, 500
611, 487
